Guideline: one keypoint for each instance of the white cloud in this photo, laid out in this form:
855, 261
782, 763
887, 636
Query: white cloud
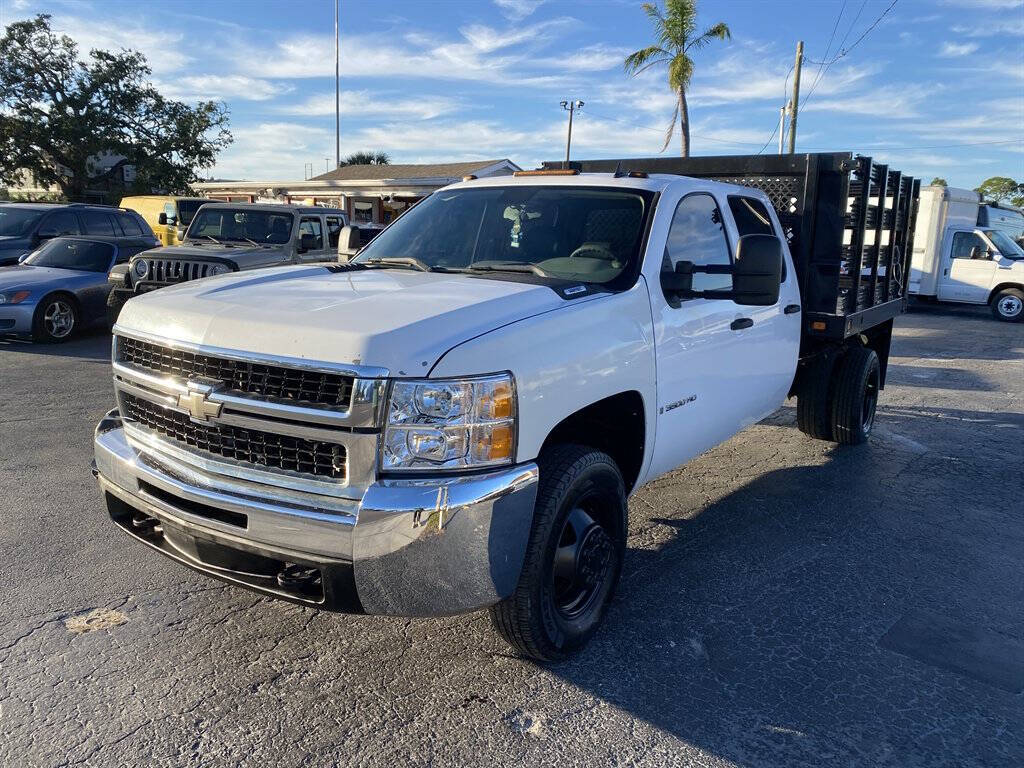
891, 101
518, 9
274, 150
221, 88
162, 48
953, 50
990, 27
363, 104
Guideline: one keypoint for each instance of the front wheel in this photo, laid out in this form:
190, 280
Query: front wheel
55, 320
1008, 305
573, 558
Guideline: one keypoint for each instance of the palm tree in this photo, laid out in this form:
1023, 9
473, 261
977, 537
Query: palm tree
675, 28
367, 158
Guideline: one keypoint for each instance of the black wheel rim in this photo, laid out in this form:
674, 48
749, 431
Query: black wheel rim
867, 417
584, 560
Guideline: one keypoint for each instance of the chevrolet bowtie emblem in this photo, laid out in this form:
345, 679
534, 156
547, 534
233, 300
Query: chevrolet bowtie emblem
198, 406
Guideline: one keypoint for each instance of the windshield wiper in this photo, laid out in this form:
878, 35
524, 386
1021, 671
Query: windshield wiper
211, 237
508, 266
404, 261
252, 241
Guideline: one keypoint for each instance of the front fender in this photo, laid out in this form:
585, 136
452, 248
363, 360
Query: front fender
566, 359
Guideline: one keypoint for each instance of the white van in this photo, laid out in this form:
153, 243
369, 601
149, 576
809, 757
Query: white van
957, 260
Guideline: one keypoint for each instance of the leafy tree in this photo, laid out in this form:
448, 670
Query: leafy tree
367, 158
938, 181
58, 114
675, 30
999, 188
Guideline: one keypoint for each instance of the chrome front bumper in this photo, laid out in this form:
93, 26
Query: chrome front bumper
407, 547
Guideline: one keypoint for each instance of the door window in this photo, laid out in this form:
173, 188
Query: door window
129, 224
698, 235
97, 223
310, 226
963, 242
334, 225
59, 223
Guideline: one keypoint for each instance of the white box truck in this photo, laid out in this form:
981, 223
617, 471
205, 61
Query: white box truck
956, 259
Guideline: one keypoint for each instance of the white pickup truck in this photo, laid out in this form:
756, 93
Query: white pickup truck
455, 419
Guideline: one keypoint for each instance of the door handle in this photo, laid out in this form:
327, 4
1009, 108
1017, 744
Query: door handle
740, 323
791, 309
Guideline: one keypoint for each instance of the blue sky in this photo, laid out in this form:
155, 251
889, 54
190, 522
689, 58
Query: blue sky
443, 80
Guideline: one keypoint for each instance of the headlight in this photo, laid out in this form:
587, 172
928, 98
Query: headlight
140, 268
450, 423
13, 298
217, 269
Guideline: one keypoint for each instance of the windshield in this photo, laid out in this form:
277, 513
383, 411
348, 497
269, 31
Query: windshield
1006, 246
85, 255
187, 210
588, 234
242, 225
18, 222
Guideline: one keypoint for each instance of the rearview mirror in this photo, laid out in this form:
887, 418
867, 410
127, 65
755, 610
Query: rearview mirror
307, 242
349, 242
757, 273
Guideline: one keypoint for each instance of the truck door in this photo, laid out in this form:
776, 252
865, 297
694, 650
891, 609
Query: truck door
967, 268
714, 357
313, 225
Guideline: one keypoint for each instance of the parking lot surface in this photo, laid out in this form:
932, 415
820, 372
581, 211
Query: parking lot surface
785, 601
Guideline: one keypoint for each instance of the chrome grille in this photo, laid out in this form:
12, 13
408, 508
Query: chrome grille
251, 446
241, 377
175, 270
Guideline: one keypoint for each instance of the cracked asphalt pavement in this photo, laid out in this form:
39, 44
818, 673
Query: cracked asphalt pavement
785, 601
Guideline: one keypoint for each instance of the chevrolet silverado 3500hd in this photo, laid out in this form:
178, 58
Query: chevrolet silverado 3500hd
455, 419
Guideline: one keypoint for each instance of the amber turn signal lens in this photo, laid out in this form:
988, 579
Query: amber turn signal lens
500, 446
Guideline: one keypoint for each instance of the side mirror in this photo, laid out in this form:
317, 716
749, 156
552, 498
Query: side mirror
162, 218
349, 242
22, 258
307, 242
680, 281
757, 273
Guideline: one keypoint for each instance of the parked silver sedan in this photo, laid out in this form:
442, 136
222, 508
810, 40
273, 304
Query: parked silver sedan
62, 286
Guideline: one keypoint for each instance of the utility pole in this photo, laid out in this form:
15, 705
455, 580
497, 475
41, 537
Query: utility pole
337, 91
795, 104
571, 106
782, 127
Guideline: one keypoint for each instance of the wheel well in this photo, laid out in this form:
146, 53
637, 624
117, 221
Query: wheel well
614, 425
65, 294
1003, 287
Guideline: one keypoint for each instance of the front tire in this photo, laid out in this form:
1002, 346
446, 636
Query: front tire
1008, 305
56, 319
855, 396
573, 557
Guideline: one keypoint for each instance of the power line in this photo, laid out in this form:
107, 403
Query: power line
828, 47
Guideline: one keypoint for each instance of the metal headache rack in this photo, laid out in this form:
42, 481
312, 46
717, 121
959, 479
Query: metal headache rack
849, 222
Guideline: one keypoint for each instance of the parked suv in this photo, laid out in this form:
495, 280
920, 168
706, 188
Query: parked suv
25, 226
230, 237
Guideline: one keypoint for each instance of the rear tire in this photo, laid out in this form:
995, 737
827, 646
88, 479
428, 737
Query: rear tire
1008, 305
573, 557
55, 319
855, 395
813, 404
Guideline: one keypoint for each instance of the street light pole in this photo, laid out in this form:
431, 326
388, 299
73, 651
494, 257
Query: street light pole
571, 107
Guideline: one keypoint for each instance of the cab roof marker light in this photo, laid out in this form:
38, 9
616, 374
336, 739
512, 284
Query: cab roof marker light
469, 177
549, 172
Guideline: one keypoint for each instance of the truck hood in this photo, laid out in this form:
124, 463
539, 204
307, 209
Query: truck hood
396, 319
245, 256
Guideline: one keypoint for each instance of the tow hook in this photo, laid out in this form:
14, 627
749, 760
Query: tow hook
294, 576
